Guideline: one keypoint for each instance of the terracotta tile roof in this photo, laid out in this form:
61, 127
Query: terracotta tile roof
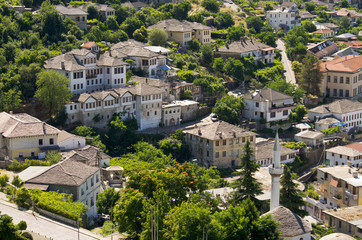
323, 49
21, 125
349, 63
356, 146
219, 130
66, 173
88, 45
244, 46
291, 224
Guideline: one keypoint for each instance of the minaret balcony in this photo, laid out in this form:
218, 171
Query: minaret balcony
276, 171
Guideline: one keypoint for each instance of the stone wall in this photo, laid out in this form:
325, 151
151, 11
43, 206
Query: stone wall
57, 217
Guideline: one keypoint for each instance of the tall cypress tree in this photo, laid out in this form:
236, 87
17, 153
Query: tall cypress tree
246, 186
290, 196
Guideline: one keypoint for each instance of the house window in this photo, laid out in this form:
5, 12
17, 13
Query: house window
230, 153
40, 142
341, 92
341, 80
92, 182
51, 141
86, 185
217, 155
272, 115
230, 142
347, 80
347, 93
92, 201
328, 78
335, 79
224, 142
82, 192
224, 153
207, 153
21, 154
97, 178
285, 112
217, 143
335, 92
257, 104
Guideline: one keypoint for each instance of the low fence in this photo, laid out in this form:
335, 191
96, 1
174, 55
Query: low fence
57, 217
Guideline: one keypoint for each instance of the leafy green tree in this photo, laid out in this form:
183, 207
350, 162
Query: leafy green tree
194, 45
310, 6
22, 197
180, 10
223, 20
344, 22
127, 212
3, 180
311, 75
27, 3
157, 37
254, 22
107, 200
17, 181
186, 95
229, 109
296, 42
333, 130
281, 85
244, 222
171, 146
235, 32
290, 196
246, 186
9, 52
235, 68
299, 112
53, 157
93, 12
22, 226
8, 230
187, 221
309, 26
140, 34
211, 5
52, 90
186, 75
112, 23
207, 53
218, 65
131, 24
52, 25
10, 100
344, 4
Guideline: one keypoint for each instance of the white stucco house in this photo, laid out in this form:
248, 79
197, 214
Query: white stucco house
350, 154
267, 104
285, 17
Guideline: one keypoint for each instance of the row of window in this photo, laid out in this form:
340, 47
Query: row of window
118, 70
348, 158
148, 114
93, 72
270, 160
149, 62
151, 97
341, 79
207, 32
51, 141
77, 86
89, 60
187, 35
335, 92
91, 184
352, 117
206, 40
231, 141
172, 111
223, 153
77, 75
91, 82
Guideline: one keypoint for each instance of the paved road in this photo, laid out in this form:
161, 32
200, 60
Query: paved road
232, 5
44, 226
289, 74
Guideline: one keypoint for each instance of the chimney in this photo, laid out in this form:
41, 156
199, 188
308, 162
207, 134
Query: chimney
349, 170
234, 134
44, 128
110, 53
355, 174
199, 132
10, 112
62, 65
146, 80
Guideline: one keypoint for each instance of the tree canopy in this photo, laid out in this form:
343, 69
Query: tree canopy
229, 109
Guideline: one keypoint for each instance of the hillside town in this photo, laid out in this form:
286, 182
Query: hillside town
181, 119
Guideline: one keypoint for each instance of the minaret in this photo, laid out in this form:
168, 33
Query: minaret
275, 171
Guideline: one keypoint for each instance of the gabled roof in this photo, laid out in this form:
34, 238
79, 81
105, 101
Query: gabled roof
70, 10
323, 31
135, 4
88, 155
144, 89
174, 25
264, 150
343, 150
349, 63
66, 173
219, 130
88, 45
327, 121
267, 94
291, 225
64, 135
155, 82
23, 125
68, 60
288, 4
243, 46
310, 134
107, 61
98, 95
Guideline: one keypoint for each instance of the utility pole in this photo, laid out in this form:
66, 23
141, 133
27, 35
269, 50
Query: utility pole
78, 228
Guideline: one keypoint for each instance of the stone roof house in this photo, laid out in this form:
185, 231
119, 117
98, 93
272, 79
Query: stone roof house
247, 47
264, 153
74, 13
291, 225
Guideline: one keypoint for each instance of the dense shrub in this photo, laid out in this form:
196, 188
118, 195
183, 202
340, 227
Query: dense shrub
16, 166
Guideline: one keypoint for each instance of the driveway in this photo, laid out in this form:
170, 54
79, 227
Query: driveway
232, 5
44, 226
289, 74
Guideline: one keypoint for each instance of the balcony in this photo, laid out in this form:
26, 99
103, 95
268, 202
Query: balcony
91, 76
281, 108
351, 195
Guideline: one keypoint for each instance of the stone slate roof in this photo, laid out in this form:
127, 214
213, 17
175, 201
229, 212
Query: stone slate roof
174, 25
66, 173
291, 224
327, 121
267, 94
99, 95
310, 134
110, 61
330, 25
155, 82
339, 107
69, 61
70, 10
23, 125
219, 130
344, 151
101, 7
134, 4
287, 4
337, 236
264, 150
88, 155
81, 52
244, 46
144, 89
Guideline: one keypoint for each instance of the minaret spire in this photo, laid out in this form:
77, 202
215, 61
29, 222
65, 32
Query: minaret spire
275, 171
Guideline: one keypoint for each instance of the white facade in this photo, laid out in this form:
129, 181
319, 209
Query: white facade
344, 155
284, 17
67, 141
88, 193
171, 115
